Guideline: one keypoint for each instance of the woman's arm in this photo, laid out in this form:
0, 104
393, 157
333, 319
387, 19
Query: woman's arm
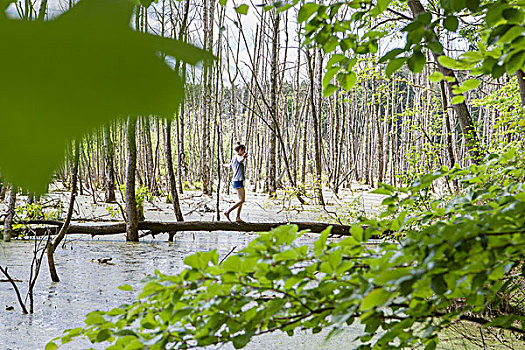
242, 158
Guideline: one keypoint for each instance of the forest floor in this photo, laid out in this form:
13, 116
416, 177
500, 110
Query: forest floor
87, 285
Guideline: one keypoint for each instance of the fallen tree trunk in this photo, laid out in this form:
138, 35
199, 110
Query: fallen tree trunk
154, 228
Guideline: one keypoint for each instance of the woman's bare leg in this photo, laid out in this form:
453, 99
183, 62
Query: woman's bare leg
242, 196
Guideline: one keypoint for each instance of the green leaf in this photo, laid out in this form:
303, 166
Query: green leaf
348, 80
438, 284
242, 9
473, 5
134, 344
451, 23
390, 55
51, 346
513, 15
336, 58
436, 77
515, 62
435, 47
103, 335
233, 264
306, 11
320, 244
329, 75
416, 62
472, 56
240, 341
394, 65
125, 287
375, 298
470, 84
94, 61
193, 261
223, 2
94, 319
357, 232
380, 7
494, 15
448, 62
521, 197
458, 99
511, 34
503, 321
329, 90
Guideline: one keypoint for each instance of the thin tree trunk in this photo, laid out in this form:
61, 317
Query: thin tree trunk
171, 173
274, 105
450, 146
109, 183
318, 189
51, 248
8, 225
132, 233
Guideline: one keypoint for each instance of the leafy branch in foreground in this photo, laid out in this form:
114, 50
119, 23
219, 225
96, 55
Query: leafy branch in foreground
459, 258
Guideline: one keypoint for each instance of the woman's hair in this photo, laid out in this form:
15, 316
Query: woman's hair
239, 146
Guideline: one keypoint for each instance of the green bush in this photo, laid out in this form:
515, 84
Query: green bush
443, 260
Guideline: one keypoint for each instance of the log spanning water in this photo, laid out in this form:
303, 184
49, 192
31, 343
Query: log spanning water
155, 227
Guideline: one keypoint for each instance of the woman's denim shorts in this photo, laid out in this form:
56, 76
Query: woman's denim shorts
238, 184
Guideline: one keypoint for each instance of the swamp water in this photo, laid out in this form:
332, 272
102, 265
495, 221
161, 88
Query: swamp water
87, 285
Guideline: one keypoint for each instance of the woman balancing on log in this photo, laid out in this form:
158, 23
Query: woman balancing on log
237, 165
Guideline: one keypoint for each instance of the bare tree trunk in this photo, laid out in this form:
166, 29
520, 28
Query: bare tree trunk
8, 225
171, 174
51, 248
376, 117
132, 233
450, 146
209, 6
274, 105
318, 189
149, 172
109, 183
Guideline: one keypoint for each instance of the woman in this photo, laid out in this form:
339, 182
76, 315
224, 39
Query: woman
237, 165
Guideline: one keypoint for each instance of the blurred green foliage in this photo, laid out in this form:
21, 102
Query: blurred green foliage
64, 77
